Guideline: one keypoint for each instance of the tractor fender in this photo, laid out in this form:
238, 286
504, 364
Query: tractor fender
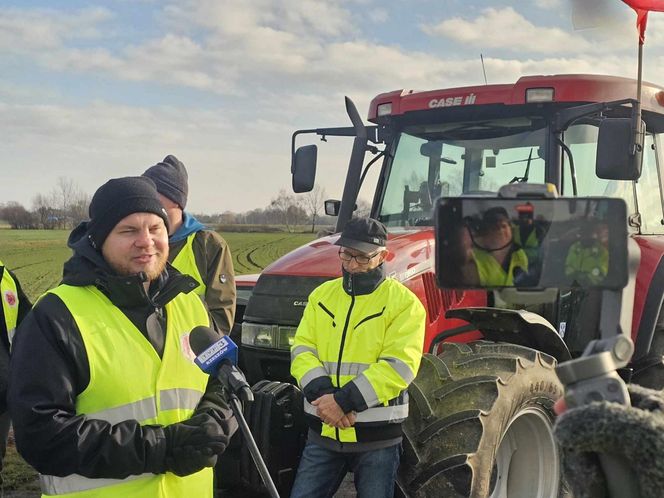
519, 327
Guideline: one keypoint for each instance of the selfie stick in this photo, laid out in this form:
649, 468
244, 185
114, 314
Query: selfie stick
256, 456
593, 377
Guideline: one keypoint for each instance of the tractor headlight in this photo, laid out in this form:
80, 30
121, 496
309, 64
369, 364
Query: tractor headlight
268, 336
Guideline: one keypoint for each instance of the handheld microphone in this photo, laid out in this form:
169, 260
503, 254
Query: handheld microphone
216, 355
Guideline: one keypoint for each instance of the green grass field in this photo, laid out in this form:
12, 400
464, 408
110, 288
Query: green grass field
37, 256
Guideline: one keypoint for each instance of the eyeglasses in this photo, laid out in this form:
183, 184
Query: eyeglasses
361, 259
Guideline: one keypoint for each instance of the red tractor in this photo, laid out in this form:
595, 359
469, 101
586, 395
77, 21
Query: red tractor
481, 410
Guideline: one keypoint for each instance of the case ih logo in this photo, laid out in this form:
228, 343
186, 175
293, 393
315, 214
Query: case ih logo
300, 303
452, 101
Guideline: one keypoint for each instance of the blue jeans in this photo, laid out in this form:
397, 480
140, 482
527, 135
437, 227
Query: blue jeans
321, 471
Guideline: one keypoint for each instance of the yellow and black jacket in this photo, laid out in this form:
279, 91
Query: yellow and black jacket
361, 338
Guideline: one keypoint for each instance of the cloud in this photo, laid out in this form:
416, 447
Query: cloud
548, 4
508, 30
305, 18
378, 15
24, 30
259, 70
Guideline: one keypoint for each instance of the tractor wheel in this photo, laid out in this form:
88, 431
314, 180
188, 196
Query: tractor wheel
480, 424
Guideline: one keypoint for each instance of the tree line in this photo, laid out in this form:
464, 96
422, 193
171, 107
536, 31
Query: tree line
67, 205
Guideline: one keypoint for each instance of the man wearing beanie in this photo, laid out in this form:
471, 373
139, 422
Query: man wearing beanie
356, 350
103, 391
195, 251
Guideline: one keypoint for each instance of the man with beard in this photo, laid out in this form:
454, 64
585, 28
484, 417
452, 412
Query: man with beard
105, 397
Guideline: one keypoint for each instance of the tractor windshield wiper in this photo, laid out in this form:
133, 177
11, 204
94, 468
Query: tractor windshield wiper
524, 178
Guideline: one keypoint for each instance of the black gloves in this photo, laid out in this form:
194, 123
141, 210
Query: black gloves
215, 402
634, 433
194, 444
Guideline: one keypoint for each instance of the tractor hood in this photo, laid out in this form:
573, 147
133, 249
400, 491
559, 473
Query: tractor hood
283, 288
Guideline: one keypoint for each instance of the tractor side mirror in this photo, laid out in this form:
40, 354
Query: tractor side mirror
332, 207
303, 168
615, 158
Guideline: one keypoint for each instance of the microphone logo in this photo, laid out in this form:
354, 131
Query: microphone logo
208, 360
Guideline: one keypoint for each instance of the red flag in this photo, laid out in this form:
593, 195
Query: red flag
642, 7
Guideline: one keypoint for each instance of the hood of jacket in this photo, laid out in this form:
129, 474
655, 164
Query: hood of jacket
189, 225
87, 266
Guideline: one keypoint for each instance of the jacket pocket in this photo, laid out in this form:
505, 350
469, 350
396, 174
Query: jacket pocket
328, 312
370, 317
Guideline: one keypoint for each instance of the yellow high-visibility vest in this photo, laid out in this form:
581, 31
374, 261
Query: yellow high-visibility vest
129, 381
185, 263
383, 334
9, 298
490, 271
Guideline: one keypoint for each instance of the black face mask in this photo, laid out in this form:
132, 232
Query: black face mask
357, 284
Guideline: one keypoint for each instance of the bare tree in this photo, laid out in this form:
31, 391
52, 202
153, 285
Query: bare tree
43, 207
69, 202
78, 208
64, 192
363, 208
281, 203
313, 203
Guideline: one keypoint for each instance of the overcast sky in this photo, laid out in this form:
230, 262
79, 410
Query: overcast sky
95, 90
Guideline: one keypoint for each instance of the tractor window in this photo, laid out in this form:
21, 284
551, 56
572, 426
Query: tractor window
582, 141
648, 189
451, 159
408, 183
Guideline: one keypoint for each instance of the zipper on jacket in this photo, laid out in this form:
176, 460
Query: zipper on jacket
370, 317
322, 306
341, 346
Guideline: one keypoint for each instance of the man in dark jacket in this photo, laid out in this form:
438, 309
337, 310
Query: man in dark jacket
195, 251
15, 305
103, 390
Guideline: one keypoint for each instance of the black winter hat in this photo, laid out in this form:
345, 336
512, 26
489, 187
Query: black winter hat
363, 234
170, 177
118, 198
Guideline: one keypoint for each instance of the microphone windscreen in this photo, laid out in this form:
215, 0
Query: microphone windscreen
202, 338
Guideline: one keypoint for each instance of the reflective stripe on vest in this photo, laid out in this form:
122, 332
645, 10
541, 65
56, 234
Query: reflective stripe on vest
9, 298
129, 381
185, 262
388, 414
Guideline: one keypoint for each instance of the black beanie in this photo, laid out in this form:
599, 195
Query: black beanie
170, 177
118, 198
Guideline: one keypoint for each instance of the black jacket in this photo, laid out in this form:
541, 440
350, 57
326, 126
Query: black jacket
49, 368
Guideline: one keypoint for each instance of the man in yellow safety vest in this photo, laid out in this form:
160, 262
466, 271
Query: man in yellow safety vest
195, 251
355, 352
103, 391
499, 260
